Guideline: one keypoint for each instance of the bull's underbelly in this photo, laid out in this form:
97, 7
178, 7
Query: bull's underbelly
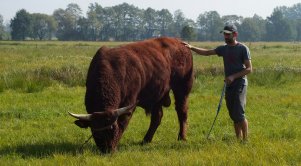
154, 95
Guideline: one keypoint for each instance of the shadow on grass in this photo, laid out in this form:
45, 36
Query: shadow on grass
193, 144
164, 145
45, 150
41, 150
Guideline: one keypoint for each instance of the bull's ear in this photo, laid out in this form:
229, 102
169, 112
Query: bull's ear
82, 123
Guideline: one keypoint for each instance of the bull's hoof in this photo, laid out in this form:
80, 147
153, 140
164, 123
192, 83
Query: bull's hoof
181, 138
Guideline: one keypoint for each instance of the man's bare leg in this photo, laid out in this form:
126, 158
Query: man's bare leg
238, 130
245, 129
241, 130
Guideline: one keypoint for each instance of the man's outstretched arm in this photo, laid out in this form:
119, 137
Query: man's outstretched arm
200, 51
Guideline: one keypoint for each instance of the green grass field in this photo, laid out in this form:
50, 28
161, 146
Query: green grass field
41, 81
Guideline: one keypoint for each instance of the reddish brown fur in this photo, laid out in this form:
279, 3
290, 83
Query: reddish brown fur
143, 71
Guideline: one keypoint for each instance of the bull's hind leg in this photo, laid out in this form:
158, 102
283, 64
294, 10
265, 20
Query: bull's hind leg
156, 116
181, 108
181, 91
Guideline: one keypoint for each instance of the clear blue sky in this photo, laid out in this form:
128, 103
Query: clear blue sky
190, 8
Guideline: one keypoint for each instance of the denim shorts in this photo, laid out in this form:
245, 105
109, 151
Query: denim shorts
236, 100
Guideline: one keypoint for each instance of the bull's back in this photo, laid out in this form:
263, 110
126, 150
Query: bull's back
142, 70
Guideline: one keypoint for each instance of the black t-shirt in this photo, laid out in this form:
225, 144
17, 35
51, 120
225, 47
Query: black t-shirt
234, 57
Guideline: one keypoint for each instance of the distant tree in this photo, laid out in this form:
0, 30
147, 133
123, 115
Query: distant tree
293, 16
291, 13
278, 28
20, 25
209, 25
43, 26
109, 28
261, 24
249, 30
2, 29
59, 16
133, 24
67, 21
188, 33
125, 22
233, 19
179, 23
136, 24
165, 20
298, 29
295, 12
82, 30
95, 21
150, 17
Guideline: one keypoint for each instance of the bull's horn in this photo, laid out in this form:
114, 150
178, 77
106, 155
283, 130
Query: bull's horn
86, 117
125, 110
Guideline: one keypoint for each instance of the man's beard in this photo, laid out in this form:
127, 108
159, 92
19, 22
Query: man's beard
229, 41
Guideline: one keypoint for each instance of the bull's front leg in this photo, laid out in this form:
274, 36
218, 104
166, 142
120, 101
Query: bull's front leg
156, 116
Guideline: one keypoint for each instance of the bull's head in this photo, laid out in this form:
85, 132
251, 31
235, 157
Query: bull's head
104, 126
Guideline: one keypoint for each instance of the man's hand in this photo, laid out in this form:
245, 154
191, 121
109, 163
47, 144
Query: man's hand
187, 45
240, 74
229, 79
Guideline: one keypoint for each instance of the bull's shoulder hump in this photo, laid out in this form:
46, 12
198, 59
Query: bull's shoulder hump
103, 49
168, 41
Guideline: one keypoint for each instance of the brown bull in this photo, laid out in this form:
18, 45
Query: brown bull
136, 74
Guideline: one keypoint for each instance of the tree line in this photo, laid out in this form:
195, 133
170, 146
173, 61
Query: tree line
126, 22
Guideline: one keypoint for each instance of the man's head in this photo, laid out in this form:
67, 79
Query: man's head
230, 33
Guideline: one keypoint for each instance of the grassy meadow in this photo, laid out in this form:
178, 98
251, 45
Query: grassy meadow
41, 81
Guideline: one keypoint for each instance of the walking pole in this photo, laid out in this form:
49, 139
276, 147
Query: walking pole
218, 108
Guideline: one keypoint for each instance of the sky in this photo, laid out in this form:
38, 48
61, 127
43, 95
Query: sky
190, 8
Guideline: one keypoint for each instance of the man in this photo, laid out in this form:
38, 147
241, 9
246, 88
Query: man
237, 64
